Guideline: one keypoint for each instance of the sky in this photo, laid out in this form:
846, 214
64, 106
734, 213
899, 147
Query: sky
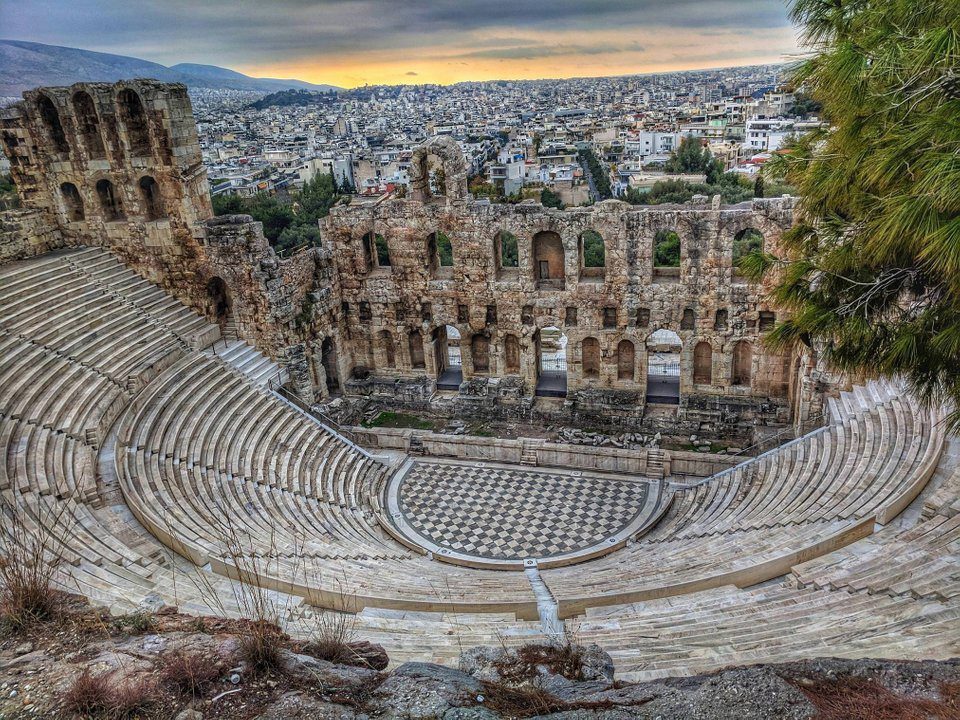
355, 42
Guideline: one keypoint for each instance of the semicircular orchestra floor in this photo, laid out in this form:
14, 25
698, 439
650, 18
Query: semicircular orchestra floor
507, 514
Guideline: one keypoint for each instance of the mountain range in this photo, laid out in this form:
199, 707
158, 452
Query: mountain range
25, 65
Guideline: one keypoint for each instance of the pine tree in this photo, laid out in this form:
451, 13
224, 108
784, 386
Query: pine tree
871, 270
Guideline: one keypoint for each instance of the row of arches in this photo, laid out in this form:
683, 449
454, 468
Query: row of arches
548, 254
110, 202
129, 109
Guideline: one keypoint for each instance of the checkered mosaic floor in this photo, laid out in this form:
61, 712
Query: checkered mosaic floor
512, 514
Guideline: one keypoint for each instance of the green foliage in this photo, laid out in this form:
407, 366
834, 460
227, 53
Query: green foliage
290, 98
692, 158
444, 249
9, 198
509, 256
601, 177
748, 242
594, 254
731, 188
872, 267
284, 227
548, 198
399, 420
804, 105
383, 250
666, 249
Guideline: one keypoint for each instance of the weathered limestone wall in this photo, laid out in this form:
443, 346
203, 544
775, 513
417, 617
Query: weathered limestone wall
25, 233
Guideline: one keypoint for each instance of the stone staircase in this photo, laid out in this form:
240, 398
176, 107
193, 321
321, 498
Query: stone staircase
528, 452
654, 469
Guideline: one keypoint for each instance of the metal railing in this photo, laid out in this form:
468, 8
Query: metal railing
556, 364
666, 369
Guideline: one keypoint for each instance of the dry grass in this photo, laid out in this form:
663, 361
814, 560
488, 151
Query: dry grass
522, 702
564, 659
190, 674
331, 639
31, 553
104, 697
850, 698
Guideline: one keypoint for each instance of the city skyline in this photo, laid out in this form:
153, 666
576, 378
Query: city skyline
351, 43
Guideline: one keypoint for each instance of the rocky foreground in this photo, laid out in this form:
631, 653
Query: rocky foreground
168, 665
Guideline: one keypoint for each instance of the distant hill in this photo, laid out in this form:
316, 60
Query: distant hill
25, 65
285, 98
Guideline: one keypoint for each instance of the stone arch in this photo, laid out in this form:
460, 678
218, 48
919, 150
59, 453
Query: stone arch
88, 124
152, 198
663, 367
689, 319
592, 255
480, 352
219, 301
50, 117
511, 353
626, 360
549, 269
415, 346
72, 201
703, 364
551, 353
742, 363
590, 357
451, 161
134, 118
389, 353
110, 203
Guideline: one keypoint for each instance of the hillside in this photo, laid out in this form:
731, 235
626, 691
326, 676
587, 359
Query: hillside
26, 65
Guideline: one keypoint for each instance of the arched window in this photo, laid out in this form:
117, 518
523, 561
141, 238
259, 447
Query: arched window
666, 249
219, 303
134, 119
593, 256
689, 320
742, 363
440, 255
590, 357
548, 261
88, 123
51, 122
110, 203
720, 320
511, 352
643, 317
386, 342
746, 242
625, 360
703, 364
72, 201
480, 352
376, 252
505, 247
415, 342
150, 195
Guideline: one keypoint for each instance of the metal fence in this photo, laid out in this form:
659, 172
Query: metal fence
555, 364
667, 369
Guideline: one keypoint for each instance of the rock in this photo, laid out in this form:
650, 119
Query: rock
364, 655
189, 714
423, 691
23, 648
331, 678
479, 662
597, 663
300, 706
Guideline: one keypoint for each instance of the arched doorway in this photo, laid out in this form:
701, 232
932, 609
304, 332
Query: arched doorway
328, 358
447, 358
548, 261
551, 346
219, 304
663, 368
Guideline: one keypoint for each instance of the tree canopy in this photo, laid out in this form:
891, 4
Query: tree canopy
871, 269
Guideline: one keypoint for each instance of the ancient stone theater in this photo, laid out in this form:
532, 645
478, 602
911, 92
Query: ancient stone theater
608, 444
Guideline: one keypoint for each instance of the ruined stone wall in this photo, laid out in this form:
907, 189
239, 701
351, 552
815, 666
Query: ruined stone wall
617, 307
25, 233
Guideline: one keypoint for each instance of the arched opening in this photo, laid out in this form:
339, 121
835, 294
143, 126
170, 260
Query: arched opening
703, 364
551, 348
548, 261
386, 342
152, 201
88, 123
110, 203
447, 357
480, 353
415, 346
663, 368
593, 257
134, 119
742, 363
376, 251
511, 354
720, 320
689, 320
625, 360
51, 123
72, 201
440, 255
219, 303
507, 254
666, 256
745, 242
590, 357
328, 358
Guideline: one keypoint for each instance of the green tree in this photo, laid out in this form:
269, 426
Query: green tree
549, 198
594, 253
666, 249
871, 269
444, 249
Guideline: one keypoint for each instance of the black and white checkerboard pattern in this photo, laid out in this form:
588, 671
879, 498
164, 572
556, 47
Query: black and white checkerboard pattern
512, 514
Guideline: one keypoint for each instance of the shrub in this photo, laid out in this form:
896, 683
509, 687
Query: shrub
102, 696
331, 639
190, 674
261, 646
